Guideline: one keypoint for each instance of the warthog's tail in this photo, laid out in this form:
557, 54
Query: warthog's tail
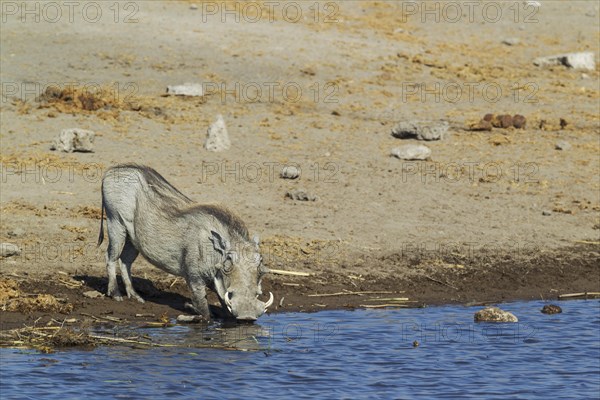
101, 235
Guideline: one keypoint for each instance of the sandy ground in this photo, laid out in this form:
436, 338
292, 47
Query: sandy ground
317, 85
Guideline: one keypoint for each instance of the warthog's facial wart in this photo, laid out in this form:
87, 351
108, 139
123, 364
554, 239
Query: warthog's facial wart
238, 279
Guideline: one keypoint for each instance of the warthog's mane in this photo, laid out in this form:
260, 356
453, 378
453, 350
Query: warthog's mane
228, 219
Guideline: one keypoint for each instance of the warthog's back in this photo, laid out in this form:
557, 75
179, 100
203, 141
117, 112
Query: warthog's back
125, 183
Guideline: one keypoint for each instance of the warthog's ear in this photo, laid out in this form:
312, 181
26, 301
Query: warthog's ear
219, 243
256, 240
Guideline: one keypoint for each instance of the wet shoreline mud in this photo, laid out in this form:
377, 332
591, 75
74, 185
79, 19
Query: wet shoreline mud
392, 282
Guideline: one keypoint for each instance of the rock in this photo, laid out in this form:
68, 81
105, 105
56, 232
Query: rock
584, 60
75, 139
482, 125
494, 314
411, 152
511, 41
187, 89
193, 7
532, 3
217, 136
290, 172
546, 213
301, 195
551, 309
189, 319
519, 121
92, 294
502, 121
488, 117
422, 130
562, 145
9, 250
17, 232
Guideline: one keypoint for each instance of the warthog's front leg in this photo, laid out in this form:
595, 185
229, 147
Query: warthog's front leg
199, 304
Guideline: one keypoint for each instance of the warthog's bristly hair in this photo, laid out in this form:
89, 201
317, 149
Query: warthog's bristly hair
232, 222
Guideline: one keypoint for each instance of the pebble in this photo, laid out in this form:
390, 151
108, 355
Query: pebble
584, 60
17, 232
217, 137
412, 152
187, 89
546, 213
519, 121
511, 41
421, 130
502, 121
9, 250
301, 195
189, 319
494, 314
551, 309
92, 294
75, 139
562, 145
482, 125
290, 172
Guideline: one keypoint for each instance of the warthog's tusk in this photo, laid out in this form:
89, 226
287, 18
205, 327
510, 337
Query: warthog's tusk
269, 302
228, 302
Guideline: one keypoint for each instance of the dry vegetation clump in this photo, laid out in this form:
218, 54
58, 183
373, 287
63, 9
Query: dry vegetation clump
14, 300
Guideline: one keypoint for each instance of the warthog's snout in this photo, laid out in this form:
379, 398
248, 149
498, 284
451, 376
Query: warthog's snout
245, 308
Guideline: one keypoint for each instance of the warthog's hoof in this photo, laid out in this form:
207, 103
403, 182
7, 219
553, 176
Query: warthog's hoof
136, 297
117, 298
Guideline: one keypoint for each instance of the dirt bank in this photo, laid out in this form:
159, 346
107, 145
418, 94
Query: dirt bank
492, 216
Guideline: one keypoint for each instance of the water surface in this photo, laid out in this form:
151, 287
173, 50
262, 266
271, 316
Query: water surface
335, 354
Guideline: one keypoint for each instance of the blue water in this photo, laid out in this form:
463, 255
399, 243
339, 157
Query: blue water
335, 354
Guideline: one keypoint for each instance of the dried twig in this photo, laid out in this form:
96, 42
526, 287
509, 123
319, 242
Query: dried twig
349, 293
293, 273
575, 295
440, 282
383, 305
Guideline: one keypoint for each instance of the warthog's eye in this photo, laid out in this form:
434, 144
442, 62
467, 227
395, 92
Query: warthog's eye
227, 266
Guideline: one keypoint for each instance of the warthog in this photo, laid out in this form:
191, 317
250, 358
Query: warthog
205, 244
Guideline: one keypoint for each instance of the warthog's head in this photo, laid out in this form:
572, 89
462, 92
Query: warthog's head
238, 278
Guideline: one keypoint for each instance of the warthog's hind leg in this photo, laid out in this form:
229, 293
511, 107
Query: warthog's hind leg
128, 256
116, 240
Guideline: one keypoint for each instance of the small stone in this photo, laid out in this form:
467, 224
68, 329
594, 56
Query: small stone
187, 89
502, 121
583, 60
193, 7
9, 250
290, 172
488, 117
482, 125
494, 314
519, 121
189, 319
75, 139
300, 195
92, 294
421, 130
217, 136
336, 113
546, 213
562, 145
551, 309
412, 152
511, 41
17, 232
563, 123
